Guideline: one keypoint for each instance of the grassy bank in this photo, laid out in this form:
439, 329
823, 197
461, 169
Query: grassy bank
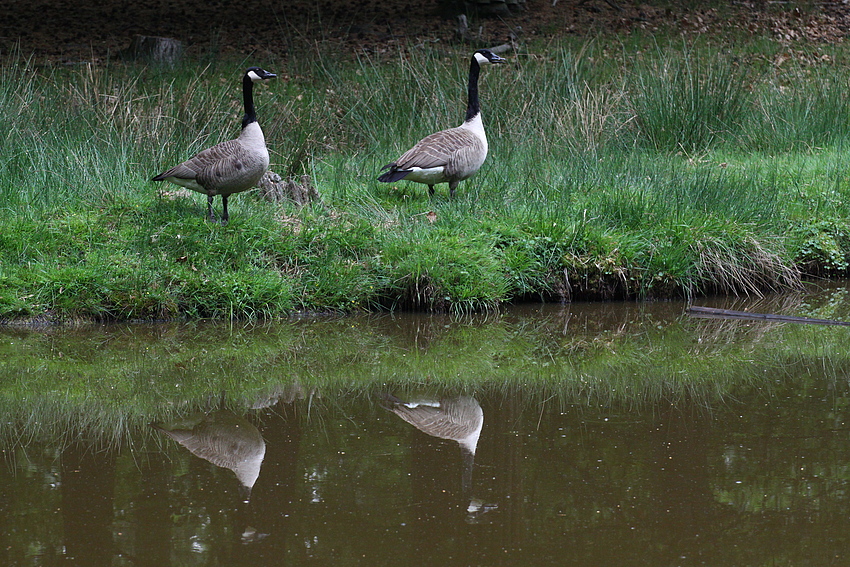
615, 170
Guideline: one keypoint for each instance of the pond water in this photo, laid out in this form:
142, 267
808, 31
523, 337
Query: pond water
584, 434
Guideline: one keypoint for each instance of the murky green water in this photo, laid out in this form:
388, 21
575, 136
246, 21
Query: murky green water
606, 434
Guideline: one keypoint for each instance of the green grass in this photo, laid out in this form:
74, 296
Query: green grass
691, 168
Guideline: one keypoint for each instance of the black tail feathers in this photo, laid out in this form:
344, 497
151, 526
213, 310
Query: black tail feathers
393, 174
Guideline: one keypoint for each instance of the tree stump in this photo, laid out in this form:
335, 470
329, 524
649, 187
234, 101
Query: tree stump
159, 50
274, 188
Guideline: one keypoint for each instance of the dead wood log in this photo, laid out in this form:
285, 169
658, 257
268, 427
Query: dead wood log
712, 312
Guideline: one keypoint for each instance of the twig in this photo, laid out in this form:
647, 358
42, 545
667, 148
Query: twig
711, 312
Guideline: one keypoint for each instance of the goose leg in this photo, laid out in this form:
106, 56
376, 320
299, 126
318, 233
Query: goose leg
224, 216
210, 208
452, 187
430, 190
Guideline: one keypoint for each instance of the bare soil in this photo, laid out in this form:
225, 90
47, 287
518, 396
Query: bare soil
69, 31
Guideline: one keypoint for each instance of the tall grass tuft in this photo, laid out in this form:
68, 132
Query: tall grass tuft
687, 101
803, 110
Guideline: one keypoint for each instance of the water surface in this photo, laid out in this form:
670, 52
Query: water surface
598, 434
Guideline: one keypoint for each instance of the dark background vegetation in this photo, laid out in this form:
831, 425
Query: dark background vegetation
65, 31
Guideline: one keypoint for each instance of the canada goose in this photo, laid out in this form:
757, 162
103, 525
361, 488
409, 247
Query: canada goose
232, 166
457, 419
449, 155
224, 439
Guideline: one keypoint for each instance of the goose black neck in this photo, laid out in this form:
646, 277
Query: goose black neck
248, 97
466, 474
472, 108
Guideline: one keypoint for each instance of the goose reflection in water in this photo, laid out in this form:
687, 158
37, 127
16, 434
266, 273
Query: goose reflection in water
457, 419
224, 439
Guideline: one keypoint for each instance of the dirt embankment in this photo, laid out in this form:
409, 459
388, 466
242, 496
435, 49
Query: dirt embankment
68, 31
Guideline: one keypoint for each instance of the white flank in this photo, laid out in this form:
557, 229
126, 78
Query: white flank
430, 176
187, 183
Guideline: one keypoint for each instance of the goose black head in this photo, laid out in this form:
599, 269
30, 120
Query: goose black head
259, 74
486, 56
